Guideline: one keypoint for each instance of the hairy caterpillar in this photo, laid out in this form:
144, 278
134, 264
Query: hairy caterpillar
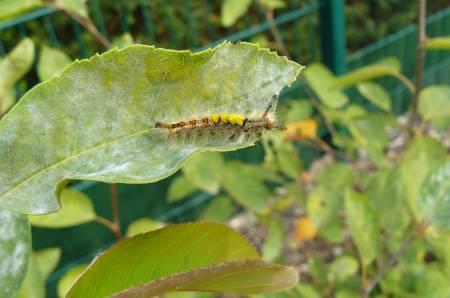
234, 128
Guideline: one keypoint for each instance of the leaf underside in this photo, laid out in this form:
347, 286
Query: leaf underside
96, 121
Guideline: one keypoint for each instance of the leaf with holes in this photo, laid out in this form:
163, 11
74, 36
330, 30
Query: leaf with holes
178, 261
96, 121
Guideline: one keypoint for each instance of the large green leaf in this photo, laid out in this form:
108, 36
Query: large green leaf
51, 62
422, 156
204, 169
232, 10
434, 105
434, 198
76, 209
362, 223
185, 257
11, 8
96, 121
15, 246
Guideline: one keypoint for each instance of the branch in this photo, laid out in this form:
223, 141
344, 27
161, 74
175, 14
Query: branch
420, 60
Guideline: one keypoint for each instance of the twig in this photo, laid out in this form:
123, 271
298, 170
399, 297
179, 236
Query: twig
115, 212
86, 23
407, 82
420, 60
421, 227
104, 221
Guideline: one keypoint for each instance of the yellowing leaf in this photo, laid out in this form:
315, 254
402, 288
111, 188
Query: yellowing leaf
306, 129
305, 229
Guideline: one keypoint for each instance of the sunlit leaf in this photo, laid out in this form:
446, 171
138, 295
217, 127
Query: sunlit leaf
438, 43
272, 4
51, 62
66, 282
434, 197
434, 105
143, 225
97, 120
232, 10
321, 80
204, 170
178, 261
46, 260
123, 40
12, 8
15, 246
76, 209
422, 156
180, 188
33, 285
376, 94
362, 223
274, 240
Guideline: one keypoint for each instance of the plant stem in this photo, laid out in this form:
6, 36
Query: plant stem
115, 212
104, 221
420, 60
419, 232
86, 23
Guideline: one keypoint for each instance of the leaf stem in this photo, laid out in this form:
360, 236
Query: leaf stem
420, 60
419, 232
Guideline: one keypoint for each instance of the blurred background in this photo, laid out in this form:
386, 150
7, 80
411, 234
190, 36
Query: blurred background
342, 35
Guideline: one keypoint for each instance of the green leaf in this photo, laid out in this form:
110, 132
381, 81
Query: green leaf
123, 40
15, 246
232, 10
97, 120
66, 282
33, 285
434, 198
178, 261
204, 169
12, 8
143, 225
362, 223
376, 94
434, 105
308, 291
7, 99
246, 186
297, 110
389, 66
77, 6
341, 268
422, 155
321, 80
51, 62
272, 4
76, 209
46, 260
274, 240
221, 208
180, 188
438, 43
288, 158
16, 64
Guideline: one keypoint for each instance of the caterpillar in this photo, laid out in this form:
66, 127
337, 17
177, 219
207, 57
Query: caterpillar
234, 128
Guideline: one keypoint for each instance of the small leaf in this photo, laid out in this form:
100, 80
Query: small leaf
272, 4
434, 105
297, 110
143, 225
376, 94
232, 10
16, 64
308, 291
341, 268
306, 129
7, 99
246, 186
66, 282
221, 208
76, 209
274, 240
15, 246
123, 40
204, 169
46, 260
77, 6
12, 8
434, 198
362, 223
305, 229
321, 80
101, 122
33, 285
180, 188
51, 62
178, 261
438, 43
422, 155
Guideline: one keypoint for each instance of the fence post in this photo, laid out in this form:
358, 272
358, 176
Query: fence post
332, 35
